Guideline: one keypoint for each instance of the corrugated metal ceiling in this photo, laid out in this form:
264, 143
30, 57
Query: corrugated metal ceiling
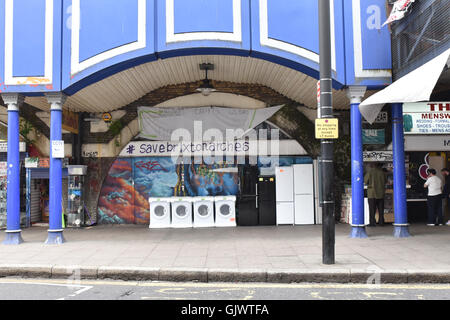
127, 86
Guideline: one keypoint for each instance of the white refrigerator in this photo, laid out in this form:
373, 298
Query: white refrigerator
284, 182
317, 207
303, 194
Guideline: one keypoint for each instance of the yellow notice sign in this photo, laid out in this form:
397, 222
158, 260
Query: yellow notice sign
327, 129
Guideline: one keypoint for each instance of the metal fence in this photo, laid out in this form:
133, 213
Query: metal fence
423, 34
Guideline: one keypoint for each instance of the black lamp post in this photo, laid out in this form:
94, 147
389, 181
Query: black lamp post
326, 111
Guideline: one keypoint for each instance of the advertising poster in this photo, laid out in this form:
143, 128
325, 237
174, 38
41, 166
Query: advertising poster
373, 136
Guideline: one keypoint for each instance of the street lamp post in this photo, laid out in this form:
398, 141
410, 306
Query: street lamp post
326, 111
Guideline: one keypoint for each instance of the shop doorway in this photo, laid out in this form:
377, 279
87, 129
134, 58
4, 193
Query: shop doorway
39, 201
37, 194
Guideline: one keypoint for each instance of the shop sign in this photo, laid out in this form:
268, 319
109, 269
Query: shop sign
426, 118
381, 118
70, 121
427, 143
31, 163
378, 156
4, 146
58, 149
373, 136
327, 128
37, 163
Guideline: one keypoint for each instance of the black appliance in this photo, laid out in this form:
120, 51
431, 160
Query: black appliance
247, 206
266, 201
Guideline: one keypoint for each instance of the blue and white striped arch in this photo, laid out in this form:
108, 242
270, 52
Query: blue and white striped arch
203, 26
105, 37
364, 39
54, 45
289, 29
91, 59
30, 45
184, 29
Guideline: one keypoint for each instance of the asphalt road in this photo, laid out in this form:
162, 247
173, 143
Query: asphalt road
49, 289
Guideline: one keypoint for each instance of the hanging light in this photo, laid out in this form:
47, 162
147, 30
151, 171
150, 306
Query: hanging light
206, 88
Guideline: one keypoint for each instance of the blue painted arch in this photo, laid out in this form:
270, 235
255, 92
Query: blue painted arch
85, 41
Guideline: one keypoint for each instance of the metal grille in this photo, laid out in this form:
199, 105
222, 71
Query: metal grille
423, 34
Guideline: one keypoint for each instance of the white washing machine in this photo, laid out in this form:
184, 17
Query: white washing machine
159, 212
203, 212
181, 212
225, 211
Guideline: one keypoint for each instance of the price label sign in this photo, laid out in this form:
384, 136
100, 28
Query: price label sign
327, 128
58, 149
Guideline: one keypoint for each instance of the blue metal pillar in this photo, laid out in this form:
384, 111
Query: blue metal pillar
398, 148
13, 231
356, 93
55, 232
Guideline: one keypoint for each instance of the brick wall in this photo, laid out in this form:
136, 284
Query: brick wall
259, 92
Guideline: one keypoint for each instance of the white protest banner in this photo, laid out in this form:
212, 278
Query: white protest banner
167, 124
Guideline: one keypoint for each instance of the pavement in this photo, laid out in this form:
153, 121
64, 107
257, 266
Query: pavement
281, 254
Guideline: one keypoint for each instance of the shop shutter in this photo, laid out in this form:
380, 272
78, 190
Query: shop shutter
35, 198
43, 173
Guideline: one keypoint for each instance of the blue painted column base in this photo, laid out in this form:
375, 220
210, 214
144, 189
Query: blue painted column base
13, 238
401, 232
358, 232
55, 238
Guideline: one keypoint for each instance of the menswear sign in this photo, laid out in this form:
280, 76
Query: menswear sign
427, 143
426, 118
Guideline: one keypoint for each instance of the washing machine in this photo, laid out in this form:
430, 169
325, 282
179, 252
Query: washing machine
203, 212
181, 212
159, 212
225, 211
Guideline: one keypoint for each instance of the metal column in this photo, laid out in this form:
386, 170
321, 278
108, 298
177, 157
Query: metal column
401, 229
355, 94
55, 232
13, 231
327, 146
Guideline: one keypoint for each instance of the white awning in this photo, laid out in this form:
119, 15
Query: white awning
414, 87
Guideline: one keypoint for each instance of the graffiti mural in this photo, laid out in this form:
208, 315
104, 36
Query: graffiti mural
153, 177
131, 181
210, 180
116, 201
128, 185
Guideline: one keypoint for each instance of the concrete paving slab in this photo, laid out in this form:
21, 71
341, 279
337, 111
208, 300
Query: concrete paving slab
284, 253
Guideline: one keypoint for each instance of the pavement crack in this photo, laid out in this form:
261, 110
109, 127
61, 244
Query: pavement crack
127, 293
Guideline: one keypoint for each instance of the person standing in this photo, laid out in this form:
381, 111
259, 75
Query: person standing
445, 191
434, 200
375, 179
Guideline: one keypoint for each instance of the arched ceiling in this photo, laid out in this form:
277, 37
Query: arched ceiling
129, 85
217, 99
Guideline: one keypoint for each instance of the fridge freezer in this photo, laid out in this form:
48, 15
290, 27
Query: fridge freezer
285, 213
284, 178
317, 207
266, 201
303, 194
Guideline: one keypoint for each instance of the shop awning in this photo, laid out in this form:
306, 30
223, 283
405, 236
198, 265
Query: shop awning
416, 86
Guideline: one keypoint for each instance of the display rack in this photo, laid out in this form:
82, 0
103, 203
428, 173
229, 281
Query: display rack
75, 200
